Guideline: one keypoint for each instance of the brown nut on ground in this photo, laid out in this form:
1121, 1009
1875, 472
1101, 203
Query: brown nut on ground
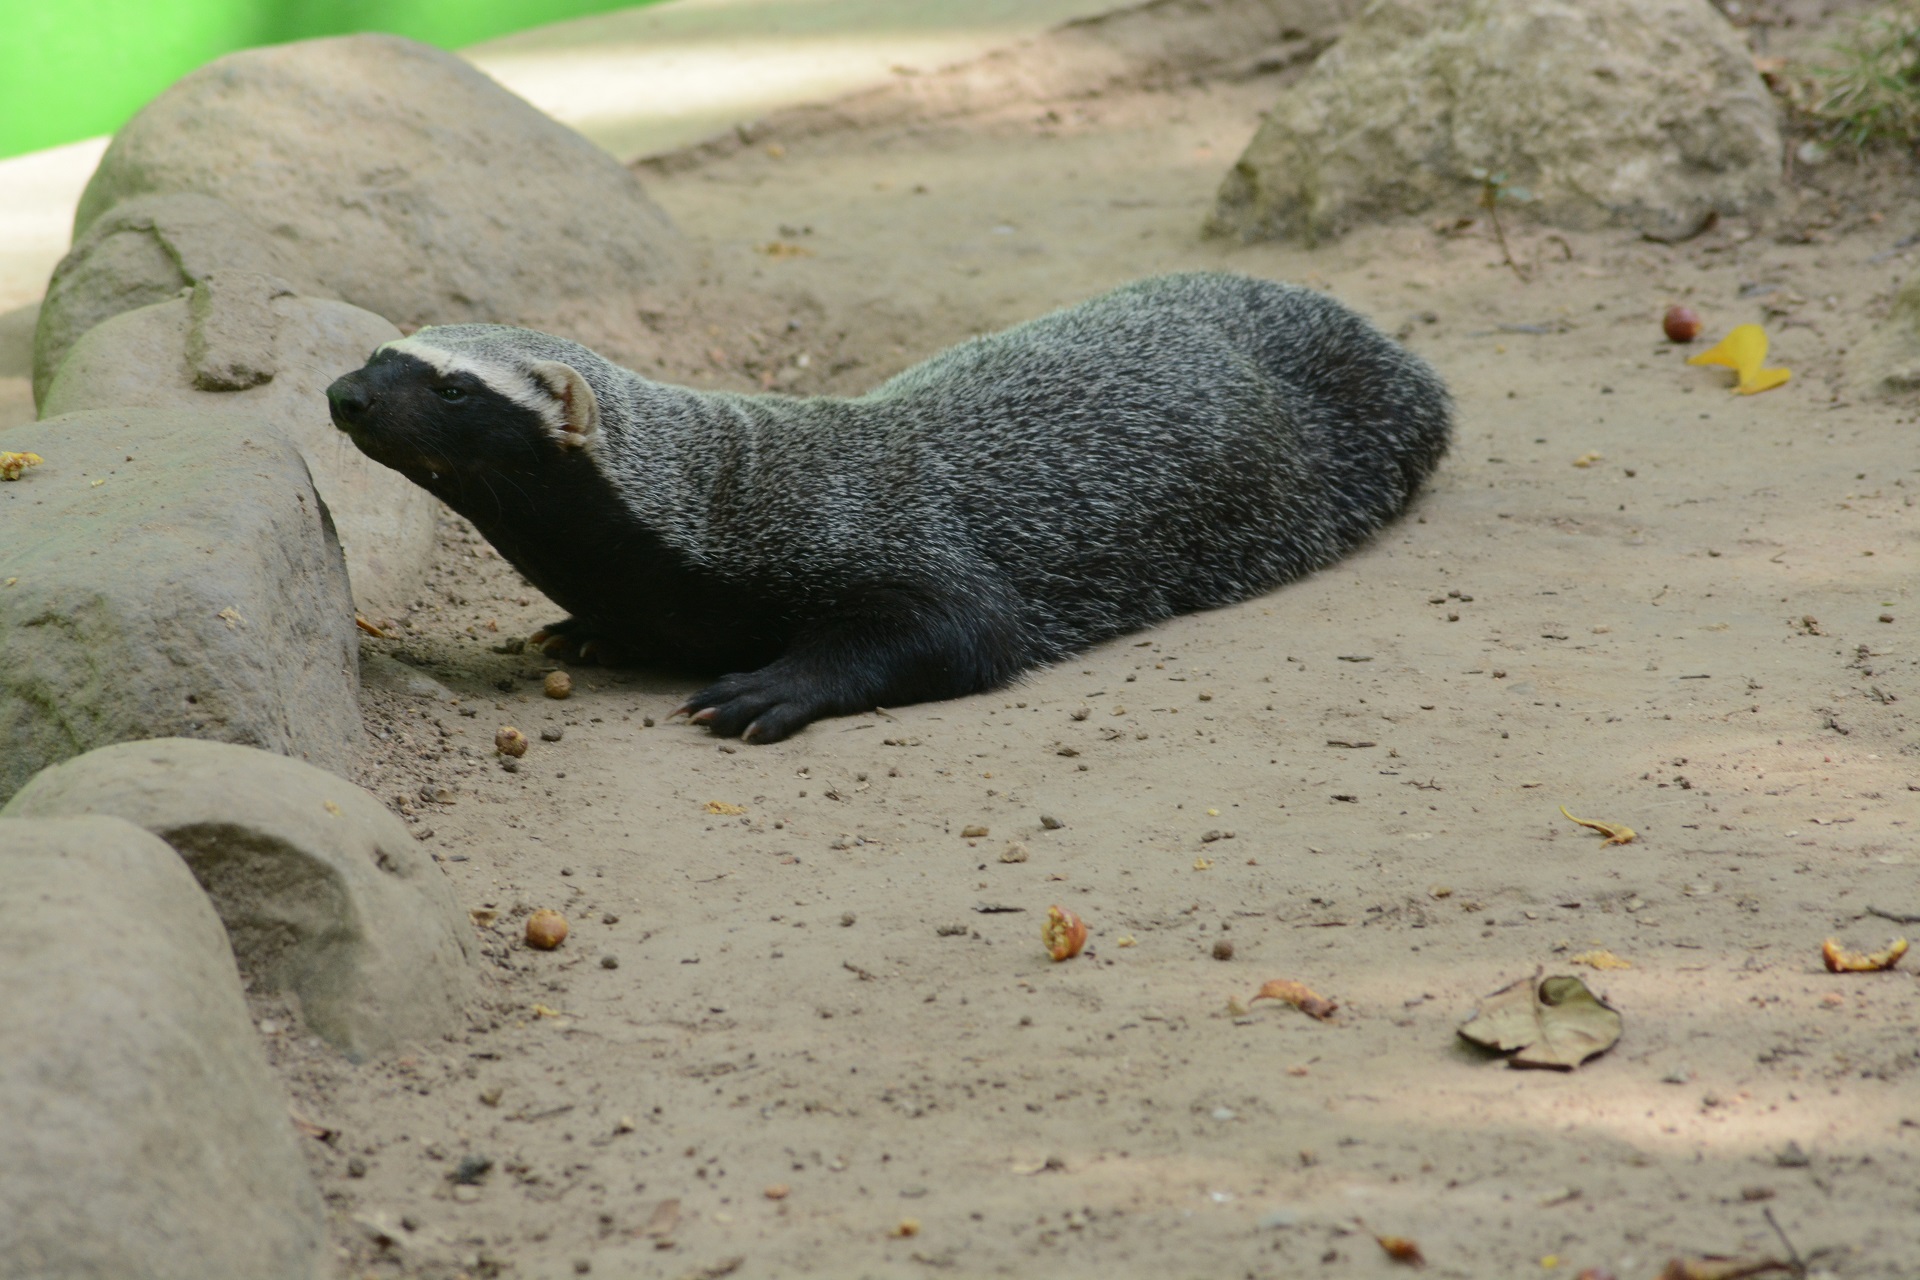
559, 684
1681, 324
509, 741
546, 929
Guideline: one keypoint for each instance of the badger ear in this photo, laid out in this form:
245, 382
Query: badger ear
579, 410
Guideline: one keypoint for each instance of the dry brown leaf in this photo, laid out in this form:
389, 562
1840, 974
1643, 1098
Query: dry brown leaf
1839, 961
1615, 832
1401, 1249
309, 1128
1600, 959
1300, 996
1715, 1267
1551, 1022
665, 1217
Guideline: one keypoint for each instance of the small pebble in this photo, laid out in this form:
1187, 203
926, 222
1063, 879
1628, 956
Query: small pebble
471, 1169
1014, 852
1223, 949
846, 919
552, 733
356, 1168
1051, 823
609, 962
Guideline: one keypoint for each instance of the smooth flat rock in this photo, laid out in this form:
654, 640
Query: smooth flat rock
412, 185
146, 1135
323, 892
1639, 113
148, 249
159, 579
141, 358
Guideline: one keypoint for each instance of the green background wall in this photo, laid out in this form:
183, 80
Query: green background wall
71, 69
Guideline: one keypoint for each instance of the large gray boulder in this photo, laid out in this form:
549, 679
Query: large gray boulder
146, 1135
413, 186
158, 580
1639, 113
145, 250
324, 894
285, 349
1886, 363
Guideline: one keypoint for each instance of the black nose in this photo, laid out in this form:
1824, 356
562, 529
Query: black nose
349, 399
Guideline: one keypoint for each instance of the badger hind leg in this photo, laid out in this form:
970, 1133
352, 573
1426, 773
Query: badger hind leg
885, 646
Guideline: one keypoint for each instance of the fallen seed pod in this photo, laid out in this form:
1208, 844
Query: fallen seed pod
509, 741
546, 929
1064, 934
1841, 961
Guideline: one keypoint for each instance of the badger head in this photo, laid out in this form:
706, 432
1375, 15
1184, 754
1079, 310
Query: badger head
473, 399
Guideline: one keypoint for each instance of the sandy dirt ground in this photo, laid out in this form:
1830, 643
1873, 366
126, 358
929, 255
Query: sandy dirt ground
804, 1024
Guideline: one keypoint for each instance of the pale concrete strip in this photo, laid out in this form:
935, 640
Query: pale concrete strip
637, 81
38, 194
643, 81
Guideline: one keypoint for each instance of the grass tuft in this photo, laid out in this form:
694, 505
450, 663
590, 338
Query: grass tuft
1869, 91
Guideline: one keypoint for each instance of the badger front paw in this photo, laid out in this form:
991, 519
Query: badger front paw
760, 706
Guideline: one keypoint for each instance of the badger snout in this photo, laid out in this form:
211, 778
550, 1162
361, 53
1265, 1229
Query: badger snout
350, 400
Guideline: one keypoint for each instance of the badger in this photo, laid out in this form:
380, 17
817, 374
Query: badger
1177, 444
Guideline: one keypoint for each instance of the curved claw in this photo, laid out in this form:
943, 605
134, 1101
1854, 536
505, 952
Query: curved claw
758, 707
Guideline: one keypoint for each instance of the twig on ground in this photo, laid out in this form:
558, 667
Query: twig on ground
1793, 1254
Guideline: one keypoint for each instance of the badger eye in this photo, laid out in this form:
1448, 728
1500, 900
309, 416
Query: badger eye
452, 395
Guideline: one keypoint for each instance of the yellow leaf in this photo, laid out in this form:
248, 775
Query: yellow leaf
1615, 832
723, 809
1744, 351
1600, 959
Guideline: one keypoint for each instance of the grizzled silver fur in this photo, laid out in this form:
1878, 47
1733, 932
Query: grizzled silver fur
1176, 444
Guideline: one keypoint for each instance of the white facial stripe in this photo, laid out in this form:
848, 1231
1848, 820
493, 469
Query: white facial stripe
520, 387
